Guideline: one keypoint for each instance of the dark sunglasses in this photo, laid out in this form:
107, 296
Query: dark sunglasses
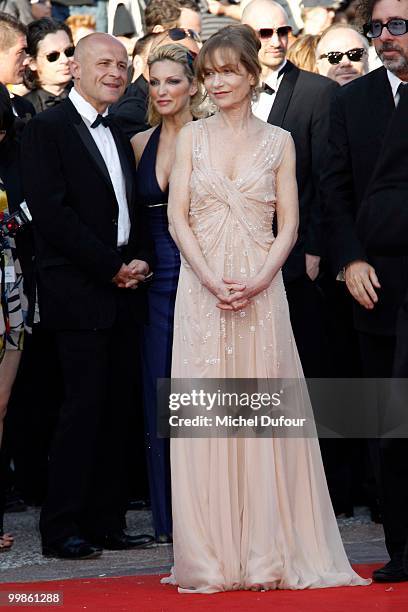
181, 33
55, 55
396, 27
335, 57
268, 32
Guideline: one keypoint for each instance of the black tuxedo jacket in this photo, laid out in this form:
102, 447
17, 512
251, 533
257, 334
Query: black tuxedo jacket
302, 106
25, 111
382, 218
75, 216
360, 118
131, 110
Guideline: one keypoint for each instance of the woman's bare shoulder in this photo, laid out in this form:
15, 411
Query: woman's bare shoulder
139, 141
274, 129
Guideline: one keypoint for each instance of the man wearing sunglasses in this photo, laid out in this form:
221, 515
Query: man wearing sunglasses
297, 101
342, 54
48, 76
376, 277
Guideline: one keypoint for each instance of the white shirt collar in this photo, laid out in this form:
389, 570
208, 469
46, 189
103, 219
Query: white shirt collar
84, 108
394, 82
273, 78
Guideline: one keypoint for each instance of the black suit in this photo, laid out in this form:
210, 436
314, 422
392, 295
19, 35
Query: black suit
302, 107
360, 118
24, 109
364, 181
75, 215
382, 228
131, 110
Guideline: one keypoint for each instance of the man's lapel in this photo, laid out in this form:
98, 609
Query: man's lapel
283, 95
87, 141
127, 168
380, 105
95, 155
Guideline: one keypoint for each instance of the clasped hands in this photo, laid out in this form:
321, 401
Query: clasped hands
131, 274
235, 295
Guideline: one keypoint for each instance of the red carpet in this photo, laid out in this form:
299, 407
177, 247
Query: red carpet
145, 594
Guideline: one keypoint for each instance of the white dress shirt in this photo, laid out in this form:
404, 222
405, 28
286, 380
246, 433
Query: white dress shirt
104, 141
263, 106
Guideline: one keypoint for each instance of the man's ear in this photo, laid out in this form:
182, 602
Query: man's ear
75, 69
157, 29
32, 64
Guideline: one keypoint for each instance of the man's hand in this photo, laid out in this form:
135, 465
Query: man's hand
361, 280
139, 267
312, 266
130, 275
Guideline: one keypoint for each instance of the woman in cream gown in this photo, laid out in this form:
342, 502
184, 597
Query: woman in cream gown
248, 513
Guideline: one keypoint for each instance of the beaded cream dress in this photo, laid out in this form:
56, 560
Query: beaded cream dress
247, 512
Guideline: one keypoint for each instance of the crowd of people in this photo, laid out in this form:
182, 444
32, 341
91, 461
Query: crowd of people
157, 220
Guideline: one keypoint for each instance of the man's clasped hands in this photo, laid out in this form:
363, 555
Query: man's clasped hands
131, 274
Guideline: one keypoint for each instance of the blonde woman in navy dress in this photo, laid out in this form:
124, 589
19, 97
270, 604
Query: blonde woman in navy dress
172, 102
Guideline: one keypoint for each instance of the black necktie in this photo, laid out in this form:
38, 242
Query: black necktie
267, 89
105, 121
402, 89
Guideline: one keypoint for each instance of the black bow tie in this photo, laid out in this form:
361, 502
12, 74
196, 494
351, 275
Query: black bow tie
51, 101
267, 89
106, 121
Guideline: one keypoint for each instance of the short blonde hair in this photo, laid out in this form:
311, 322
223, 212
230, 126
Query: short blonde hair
239, 39
180, 55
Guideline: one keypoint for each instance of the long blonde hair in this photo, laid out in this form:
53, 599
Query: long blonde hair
180, 55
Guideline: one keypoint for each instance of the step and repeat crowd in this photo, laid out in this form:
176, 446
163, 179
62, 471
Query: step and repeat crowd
333, 75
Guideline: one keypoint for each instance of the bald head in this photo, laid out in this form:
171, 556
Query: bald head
261, 8
340, 39
271, 23
92, 42
99, 69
